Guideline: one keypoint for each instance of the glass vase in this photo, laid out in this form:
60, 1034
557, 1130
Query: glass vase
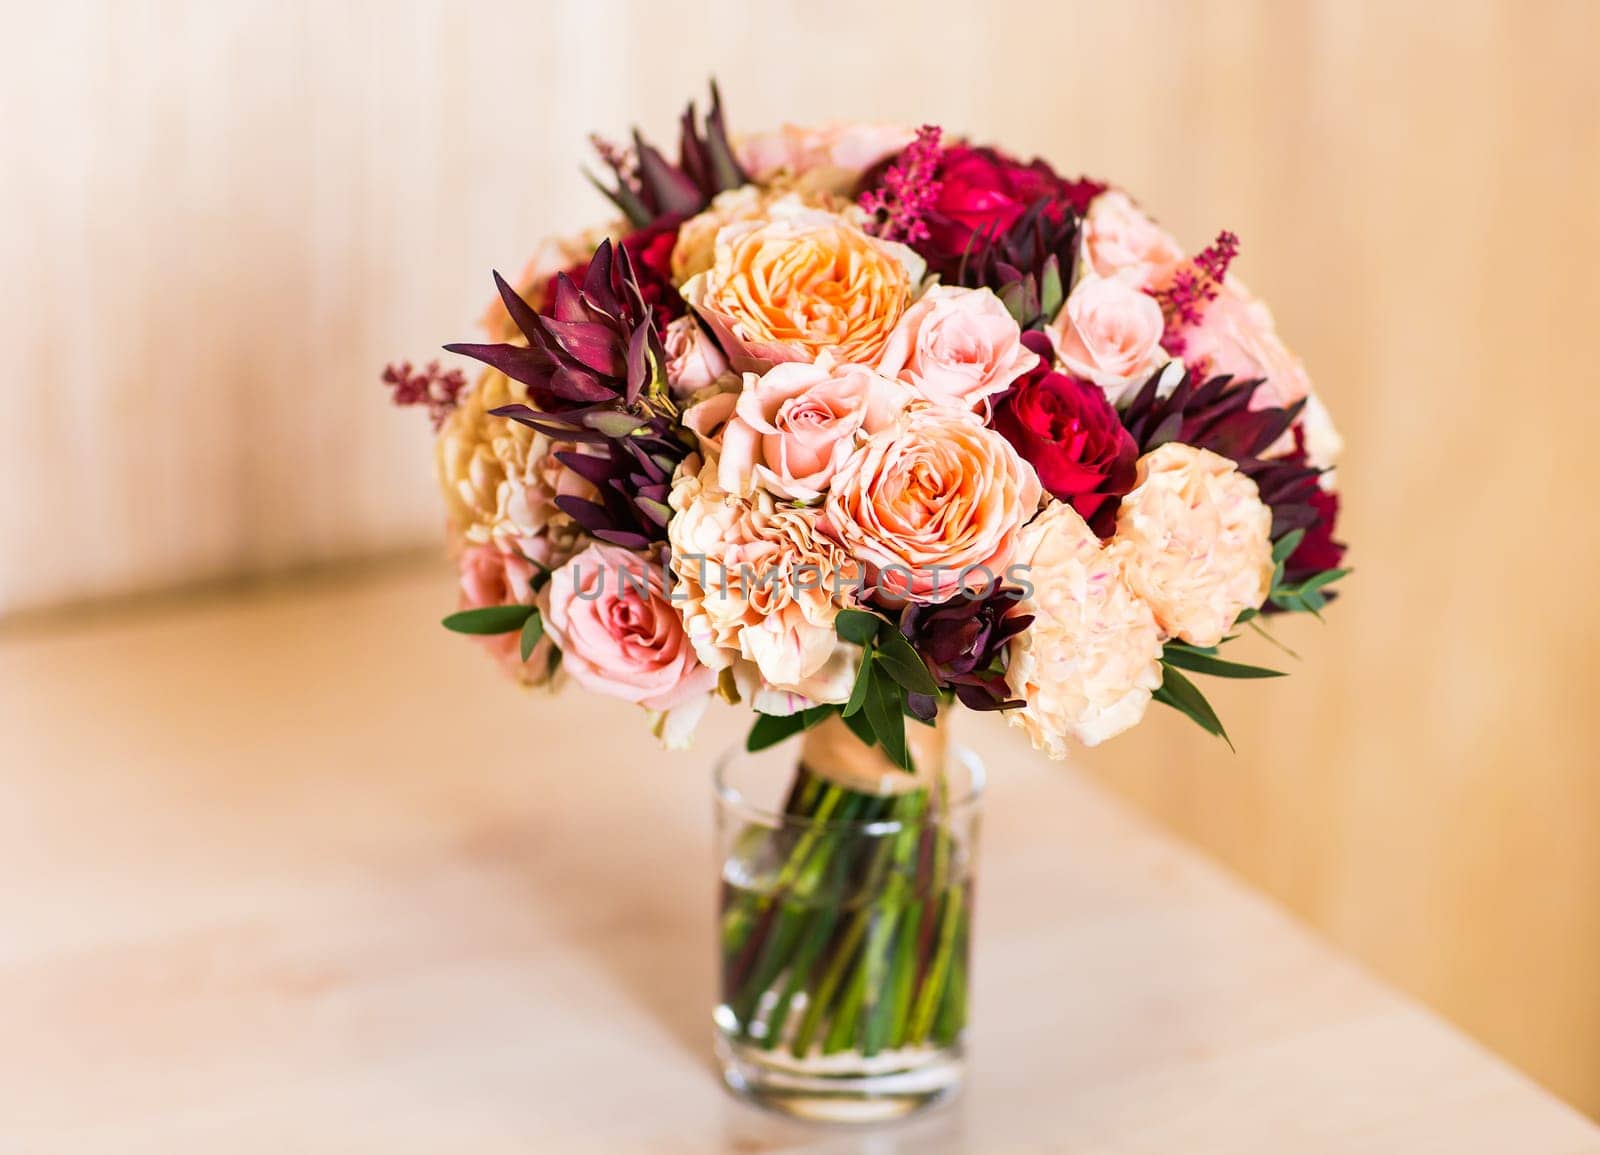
845, 918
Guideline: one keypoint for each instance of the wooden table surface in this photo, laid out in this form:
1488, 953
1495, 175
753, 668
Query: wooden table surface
294, 872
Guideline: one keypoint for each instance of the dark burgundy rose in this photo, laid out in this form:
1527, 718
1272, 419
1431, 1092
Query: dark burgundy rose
1067, 430
962, 642
1317, 551
985, 191
650, 250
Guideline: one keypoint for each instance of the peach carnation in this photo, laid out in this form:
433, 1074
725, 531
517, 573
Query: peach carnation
1089, 661
760, 585
794, 425
1195, 539
800, 281
957, 347
933, 504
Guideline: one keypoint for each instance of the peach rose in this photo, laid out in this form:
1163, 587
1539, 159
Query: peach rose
1119, 240
759, 585
1109, 333
1195, 541
799, 282
618, 632
1086, 666
794, 425
830, 156
693, 360
957, 347
489, 577
696, 248
933, 504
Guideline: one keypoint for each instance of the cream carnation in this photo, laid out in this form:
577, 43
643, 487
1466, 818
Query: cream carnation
933, 504
758, 584
794, 425
1109, 332
1089, 661
957, 347
500, 479
1195, 539
798, 281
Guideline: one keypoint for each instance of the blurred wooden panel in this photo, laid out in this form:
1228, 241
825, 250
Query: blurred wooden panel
219, 219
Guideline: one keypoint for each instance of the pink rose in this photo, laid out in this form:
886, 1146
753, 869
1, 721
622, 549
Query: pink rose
1109, 333
693, 360
794, 425
933, 505
957, 347
1119, 240
490, 577
618, 632
841, 152
1236, 336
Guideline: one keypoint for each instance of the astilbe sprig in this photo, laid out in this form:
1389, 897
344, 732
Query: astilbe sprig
908, 190
1194, 285
438, 388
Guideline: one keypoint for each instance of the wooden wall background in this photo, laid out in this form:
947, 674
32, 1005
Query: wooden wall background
218, 219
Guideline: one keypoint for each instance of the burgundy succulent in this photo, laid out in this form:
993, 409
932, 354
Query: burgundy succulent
633, 474
648, 186
595, 358
963, 644
649, 252
1216, 414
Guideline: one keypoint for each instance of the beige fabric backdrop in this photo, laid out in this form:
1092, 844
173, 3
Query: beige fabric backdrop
219, 219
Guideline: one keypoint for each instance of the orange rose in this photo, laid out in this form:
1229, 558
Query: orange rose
933, 505
798, 281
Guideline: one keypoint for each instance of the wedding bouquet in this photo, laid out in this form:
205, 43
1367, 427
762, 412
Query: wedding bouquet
852, 424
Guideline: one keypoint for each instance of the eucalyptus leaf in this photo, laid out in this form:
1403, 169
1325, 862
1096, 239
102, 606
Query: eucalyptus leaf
863, 683
886, 711
1185, 659
1287, 544
857, 626
770, 729
1185, 697
489, 620
532, 631
897, 656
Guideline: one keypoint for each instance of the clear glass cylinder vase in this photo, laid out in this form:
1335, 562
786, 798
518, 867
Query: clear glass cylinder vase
844, 924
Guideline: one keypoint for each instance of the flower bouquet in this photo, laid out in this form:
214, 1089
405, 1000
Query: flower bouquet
851, 425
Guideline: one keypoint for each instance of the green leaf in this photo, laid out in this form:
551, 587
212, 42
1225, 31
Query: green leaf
489, 620
863, 682
886, 711
857, 626
770, 729
1287, 544
1186, 659
1325, 578
861, 727
905, 664
1182, 695
532, 631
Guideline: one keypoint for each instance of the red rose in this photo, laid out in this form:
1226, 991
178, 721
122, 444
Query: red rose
1067, 430
984, 191
650, 251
